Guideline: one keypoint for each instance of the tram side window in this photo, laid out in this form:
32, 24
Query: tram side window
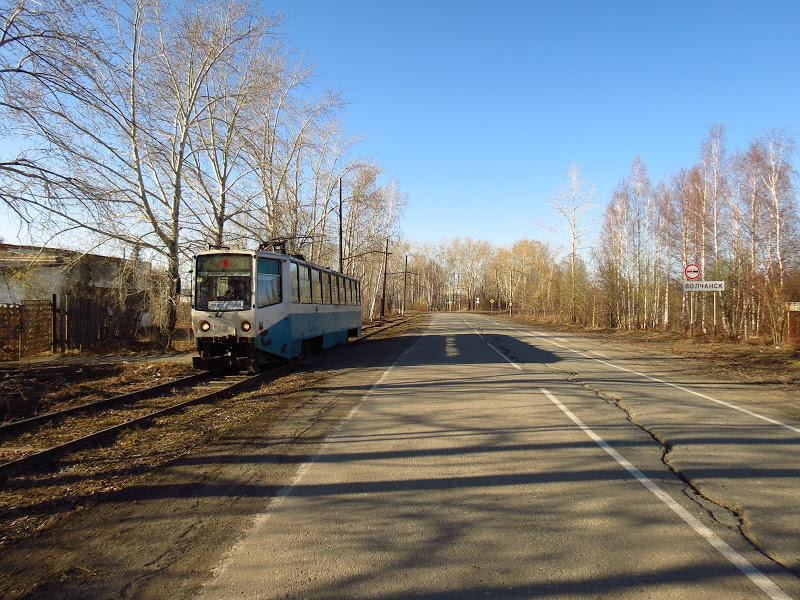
316, 286
356, 294
268, 283
305, 285
335, 289
295, 283
349, 284
326, 288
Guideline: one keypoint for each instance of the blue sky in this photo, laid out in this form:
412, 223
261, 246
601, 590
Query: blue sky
477, 109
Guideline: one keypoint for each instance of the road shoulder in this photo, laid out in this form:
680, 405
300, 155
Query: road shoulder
162, 536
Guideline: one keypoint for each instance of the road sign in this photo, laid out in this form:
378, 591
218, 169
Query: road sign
793, 306
703, 286
692, 271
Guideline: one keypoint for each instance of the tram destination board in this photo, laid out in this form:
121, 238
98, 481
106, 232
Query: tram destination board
703, 286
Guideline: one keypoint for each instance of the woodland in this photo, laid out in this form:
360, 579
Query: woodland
733, 214
151, 130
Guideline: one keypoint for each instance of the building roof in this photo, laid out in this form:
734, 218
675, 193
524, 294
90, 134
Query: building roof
16, 255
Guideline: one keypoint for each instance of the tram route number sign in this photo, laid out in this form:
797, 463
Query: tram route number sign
692, 271
703, 286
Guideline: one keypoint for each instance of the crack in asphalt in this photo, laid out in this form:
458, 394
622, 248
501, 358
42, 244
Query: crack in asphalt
732, 519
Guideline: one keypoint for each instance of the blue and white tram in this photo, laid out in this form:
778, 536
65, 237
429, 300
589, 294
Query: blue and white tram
252, 307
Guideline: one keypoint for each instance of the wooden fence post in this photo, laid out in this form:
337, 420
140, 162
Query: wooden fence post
62, 324
55, 322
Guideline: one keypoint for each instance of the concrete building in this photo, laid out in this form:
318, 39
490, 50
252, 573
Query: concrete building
35, 273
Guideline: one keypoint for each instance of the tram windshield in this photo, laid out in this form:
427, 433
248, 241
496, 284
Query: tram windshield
223, 282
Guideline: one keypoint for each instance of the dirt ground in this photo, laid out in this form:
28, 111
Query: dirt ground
148, 516
754, 361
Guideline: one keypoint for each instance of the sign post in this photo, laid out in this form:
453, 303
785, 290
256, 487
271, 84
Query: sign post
790, 308
692, 272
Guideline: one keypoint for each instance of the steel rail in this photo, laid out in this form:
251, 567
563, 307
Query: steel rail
30, 461
13, 427
27, 463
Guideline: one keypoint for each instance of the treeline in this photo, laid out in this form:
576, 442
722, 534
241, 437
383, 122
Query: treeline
734, 214
161, 128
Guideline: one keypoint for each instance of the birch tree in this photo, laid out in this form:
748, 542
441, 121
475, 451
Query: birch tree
775, 175
573, 204
221, 175
116, 116
39, 45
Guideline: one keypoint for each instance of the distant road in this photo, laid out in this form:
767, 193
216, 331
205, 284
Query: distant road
495, 460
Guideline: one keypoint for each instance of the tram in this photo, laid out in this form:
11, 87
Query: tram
254, 307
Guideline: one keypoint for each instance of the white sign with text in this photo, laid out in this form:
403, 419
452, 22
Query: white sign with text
703, 286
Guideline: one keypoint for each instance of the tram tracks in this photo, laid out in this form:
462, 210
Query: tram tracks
30, 443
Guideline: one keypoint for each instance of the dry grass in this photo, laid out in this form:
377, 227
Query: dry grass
752, 361
29, 390
34, 501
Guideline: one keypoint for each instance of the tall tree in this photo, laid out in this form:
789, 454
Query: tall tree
573, 204
221, 174
39, 45
776, 173
117, 113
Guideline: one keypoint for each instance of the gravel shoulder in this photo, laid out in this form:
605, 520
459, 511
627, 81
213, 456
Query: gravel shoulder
150, 516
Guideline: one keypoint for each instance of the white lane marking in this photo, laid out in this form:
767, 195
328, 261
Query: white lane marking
661, 381
740, 562
511, 362
488, 343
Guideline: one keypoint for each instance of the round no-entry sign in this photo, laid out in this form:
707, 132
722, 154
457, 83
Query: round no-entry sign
692, 271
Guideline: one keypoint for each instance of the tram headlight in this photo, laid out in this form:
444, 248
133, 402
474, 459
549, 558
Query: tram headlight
245, 326
205, 326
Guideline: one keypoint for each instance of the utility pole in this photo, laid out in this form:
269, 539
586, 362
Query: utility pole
405, 283
511, 295
385, 269
341, 247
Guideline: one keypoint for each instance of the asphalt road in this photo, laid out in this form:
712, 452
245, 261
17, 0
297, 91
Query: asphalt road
493, 460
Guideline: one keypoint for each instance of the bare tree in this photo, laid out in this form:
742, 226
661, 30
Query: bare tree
281, 131
573, 203
39, 43
776, 174
222, 175
612, 256
117, 114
